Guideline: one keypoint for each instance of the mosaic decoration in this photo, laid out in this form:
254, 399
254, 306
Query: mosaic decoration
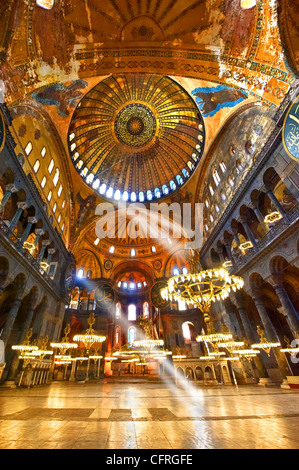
61, 96
212, 100
136, 137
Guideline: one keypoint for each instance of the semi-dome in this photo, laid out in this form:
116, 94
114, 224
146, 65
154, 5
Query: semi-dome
136, 137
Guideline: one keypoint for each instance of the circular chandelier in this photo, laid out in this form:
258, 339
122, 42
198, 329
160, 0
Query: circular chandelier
89, 337
202, 289
64, 345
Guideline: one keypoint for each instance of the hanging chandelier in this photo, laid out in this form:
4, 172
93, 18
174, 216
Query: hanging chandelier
89, 337
64, 345
202, 289
264, 343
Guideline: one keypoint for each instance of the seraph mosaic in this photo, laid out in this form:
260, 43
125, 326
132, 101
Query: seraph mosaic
211, 100
61, 96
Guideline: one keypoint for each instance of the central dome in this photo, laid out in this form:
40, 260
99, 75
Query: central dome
136, 137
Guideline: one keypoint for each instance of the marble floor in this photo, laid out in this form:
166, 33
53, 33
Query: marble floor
105, 415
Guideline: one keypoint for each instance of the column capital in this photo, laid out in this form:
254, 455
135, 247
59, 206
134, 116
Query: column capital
32, 220
51, 251
22, 205
39, 231
46, 242
11, 187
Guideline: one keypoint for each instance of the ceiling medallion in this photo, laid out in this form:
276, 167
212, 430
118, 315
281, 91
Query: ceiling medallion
136, 137
135, 125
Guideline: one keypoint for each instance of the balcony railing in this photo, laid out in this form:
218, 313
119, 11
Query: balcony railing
275, 231
16, 243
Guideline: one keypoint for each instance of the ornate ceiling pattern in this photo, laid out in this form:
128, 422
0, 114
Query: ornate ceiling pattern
136, 138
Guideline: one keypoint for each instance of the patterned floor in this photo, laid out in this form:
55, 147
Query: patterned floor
99, 415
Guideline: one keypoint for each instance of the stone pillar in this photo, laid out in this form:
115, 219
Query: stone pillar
9, 190
31, 221
291, 313
51, 252
260, 218
249, 232
229, 252
38, 233
15, 362
276, 202
220, 253
45, 243
21, 207
73, 371
271, 336
10, 320
240, 302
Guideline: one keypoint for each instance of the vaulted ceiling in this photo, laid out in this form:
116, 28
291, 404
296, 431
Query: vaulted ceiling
227, 55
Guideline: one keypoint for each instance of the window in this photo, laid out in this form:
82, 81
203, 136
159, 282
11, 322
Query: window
80, 273
223, 167
176, 271
36, 166
118, 310
207, 203
182, 305
132, 312
59, 218
109, 193
111, 249
185, 271
154, 249
149, 195
59, 190
55, 207
165, 189
186, 332
216, 177
43, 152
223, 196
231, 181
28, 148
51, 166
50, 196
172, 185
62, 228
43, 183
211, 190
56, 177
63, 204
211, 218
157, 192
217, 208
141, 196
145, 310
133, 252
117, 195
96, 242
132, 285
131, 334
46, 4
117, 335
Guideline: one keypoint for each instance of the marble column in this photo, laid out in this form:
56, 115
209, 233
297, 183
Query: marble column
249, 232
271, 335
9, 190
240, 302
276, 202
291, 313
229, 252
51, 252
260, 218
10, 320
15, 362
45, 243
21, 207
31, 221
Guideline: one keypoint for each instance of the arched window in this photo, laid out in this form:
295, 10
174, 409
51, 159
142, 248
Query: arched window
176, 271
51, 166
43, 183
172, 185
131, 334
165, 189
145, 310
50, 196
141, 196
132, 312
133, 197
211, 190
28, 148
133, 252
43, 152
223, 167
56, 177
216, 177
149, 195
186, 332
117, 335
185, 271
157, 192
89, 274
36, 166
80, 273
117, 310
59, 190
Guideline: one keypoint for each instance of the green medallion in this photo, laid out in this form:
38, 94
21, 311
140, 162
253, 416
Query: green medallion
290, 133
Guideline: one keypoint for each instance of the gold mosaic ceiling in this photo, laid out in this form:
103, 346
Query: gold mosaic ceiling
136, 137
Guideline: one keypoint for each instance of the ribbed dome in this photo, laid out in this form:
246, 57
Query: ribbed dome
136, 137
